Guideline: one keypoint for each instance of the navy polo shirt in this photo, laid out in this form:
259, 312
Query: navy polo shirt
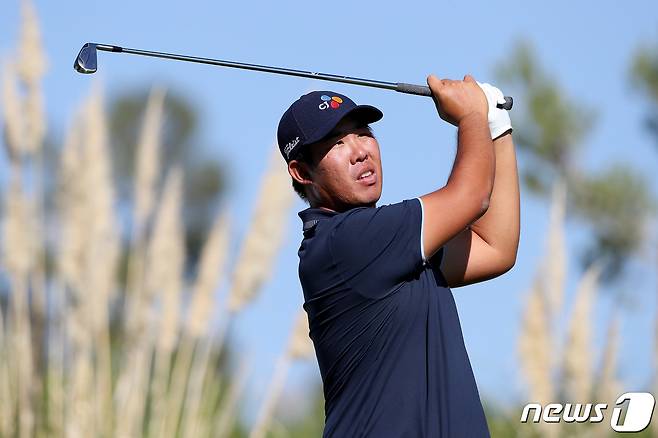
385, 327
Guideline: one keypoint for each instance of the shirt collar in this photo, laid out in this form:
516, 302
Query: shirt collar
311, 216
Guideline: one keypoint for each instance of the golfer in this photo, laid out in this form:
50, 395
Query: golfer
377, 280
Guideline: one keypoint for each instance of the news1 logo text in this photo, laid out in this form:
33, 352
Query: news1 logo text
632, 412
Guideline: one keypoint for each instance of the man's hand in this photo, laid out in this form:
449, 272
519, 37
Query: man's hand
455, 100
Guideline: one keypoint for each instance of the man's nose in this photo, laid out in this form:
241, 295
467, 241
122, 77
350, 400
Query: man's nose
359, 150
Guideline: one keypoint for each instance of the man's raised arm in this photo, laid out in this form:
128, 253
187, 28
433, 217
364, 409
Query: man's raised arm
488, 247
466, 195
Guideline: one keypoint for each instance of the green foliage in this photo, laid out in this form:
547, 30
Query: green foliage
644, 71
312, 424
617, 204
548, 126
644, 77
501, 424
125, 118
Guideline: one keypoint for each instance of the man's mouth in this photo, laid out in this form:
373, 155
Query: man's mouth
365, 174
367, 177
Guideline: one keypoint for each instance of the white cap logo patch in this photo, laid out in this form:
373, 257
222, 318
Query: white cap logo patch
290, 146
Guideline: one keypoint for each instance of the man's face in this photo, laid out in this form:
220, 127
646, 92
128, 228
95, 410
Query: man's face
346, 169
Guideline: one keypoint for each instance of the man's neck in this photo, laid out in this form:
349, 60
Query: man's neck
341, 209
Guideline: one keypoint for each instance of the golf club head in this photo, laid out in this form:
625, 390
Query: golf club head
86, 60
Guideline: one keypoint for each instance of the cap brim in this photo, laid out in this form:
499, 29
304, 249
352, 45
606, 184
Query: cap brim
364, 113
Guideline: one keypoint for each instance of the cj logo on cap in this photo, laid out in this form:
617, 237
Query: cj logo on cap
333, 102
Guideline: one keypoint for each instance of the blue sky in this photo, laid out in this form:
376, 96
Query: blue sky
585, 45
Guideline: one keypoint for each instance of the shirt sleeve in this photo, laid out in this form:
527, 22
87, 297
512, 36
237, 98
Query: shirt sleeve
378, 249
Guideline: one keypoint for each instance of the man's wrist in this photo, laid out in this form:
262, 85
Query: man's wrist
500, 132
504, 138
473, 117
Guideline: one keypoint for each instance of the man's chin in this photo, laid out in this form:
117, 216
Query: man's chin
370, 201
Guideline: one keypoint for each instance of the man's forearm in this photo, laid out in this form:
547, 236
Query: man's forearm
473, 170
499, 226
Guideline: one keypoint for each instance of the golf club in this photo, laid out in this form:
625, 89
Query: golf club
87, 62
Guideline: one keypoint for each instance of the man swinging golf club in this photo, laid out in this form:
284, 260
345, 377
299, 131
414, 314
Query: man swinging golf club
377, 280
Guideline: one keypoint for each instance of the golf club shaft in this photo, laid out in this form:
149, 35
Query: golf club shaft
401, 87
256, 67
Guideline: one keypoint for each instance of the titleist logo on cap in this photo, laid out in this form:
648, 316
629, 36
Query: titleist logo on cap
288, 148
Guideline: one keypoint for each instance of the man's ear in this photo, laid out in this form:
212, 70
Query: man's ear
299, 171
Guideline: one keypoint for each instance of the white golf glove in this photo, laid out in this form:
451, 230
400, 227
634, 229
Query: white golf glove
499, 121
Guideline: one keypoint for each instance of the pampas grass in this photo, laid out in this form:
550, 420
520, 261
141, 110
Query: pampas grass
69, 259
165, 267
197, 388
147, 161
228, 411
535, 352
166, 255
6, 393
211, 270
537, 344
32, 65
103, 249
608, 386
213, 259
299, 347
538, 340
16, 260
18, 250
163, 288
90, 249
578, 366
18, 244
63, 371
145, 178
13, 114
265, 234
139, 320
136, 304
556, 255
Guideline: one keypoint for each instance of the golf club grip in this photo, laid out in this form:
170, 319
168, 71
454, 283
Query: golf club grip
422, 90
